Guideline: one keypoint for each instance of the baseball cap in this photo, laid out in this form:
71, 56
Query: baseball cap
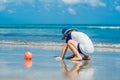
66, 29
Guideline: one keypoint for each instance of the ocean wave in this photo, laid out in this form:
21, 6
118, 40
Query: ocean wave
58, 46
104, 27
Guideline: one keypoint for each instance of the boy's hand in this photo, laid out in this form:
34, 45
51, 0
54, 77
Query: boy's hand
58, 58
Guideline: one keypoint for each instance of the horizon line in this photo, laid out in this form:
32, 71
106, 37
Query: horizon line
68, 24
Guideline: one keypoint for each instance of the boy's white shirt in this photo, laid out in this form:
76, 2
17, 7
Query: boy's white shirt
86, 45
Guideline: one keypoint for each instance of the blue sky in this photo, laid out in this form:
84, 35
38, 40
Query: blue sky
59, 11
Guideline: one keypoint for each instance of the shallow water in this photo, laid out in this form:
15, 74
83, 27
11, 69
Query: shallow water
43, 66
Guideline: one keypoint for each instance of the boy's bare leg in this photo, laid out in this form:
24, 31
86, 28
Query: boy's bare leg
73, 47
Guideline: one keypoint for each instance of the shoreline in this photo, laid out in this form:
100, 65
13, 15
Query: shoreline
99, 47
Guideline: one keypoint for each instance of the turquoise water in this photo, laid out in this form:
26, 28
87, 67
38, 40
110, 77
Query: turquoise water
52, 33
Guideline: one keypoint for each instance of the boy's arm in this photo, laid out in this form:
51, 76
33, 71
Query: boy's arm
64, 49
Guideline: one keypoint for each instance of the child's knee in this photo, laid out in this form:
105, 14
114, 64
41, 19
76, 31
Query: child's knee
70, 42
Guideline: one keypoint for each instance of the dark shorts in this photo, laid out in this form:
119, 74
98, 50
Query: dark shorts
78, 47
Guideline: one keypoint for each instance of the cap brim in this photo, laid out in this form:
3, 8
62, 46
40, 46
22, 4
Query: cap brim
63, 38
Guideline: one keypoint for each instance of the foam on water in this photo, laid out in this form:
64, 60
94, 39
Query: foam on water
58, 46
104, 27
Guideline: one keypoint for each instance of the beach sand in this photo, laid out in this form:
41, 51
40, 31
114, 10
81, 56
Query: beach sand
44, 66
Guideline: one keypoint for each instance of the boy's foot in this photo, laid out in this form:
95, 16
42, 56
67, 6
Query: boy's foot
76, 59
86, 58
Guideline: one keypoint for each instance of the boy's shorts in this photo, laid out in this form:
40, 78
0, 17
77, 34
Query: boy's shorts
82, 50
78, 47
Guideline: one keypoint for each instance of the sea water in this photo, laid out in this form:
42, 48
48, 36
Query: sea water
15, 40
102, 36
52, 33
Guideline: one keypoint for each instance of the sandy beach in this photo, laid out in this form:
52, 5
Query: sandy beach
41, 27
43, 66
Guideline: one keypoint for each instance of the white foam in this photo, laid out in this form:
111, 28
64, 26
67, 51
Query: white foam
104, 27
58, 46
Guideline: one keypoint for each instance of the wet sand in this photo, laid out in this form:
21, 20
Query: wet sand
43, 66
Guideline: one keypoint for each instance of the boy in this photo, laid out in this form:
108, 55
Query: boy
78, 42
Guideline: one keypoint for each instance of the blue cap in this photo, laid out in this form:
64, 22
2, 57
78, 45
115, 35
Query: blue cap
66, 29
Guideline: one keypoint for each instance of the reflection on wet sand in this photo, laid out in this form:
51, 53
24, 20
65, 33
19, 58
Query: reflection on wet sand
79, 71
28, 63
